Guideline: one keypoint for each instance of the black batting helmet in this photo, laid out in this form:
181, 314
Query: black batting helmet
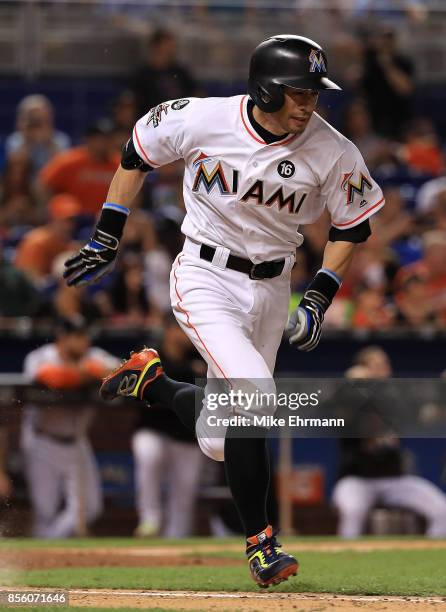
286, 60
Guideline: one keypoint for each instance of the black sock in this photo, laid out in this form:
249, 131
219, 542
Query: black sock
246, 459
247, 473
187, 403
162, 390
184, 399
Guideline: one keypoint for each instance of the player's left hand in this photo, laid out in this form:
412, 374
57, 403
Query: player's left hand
305, 325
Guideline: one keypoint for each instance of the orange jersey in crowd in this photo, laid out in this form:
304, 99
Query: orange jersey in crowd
46, 365
38, 249
76, 172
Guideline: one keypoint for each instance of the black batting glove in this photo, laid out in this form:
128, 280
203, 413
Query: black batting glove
305, 323
98, 256
94, 260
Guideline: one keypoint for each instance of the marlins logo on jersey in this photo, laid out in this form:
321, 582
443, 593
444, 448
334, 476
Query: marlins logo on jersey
352, 187
250, 194
210, 173
156, 114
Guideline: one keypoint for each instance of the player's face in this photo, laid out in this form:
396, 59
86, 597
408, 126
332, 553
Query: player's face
379, 365
295, 114
75, 345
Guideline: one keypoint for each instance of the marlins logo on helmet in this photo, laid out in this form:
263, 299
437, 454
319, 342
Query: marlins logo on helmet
317, 61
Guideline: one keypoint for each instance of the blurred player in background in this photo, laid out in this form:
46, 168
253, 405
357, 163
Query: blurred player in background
372, 470
165, 451
62, 476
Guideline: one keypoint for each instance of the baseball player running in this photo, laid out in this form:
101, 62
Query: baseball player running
257, 167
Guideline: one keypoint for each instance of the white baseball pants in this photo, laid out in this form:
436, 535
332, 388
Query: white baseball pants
61, 474
161, 460
234, 322
354, 497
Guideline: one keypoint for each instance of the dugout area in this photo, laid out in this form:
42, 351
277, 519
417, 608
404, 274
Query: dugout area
211, 574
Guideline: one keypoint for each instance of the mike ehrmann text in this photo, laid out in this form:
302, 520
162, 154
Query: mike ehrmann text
293, 420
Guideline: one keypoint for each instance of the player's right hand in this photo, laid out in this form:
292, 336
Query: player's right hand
305, 325
93, 261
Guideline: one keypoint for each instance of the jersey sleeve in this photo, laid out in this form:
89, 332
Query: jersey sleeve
31, 366
108, 360
350, 193
159, 136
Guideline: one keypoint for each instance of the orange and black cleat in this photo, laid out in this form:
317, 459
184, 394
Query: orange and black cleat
133, 376
268, 564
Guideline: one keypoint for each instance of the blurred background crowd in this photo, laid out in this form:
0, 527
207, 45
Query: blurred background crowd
75, 77
54, 178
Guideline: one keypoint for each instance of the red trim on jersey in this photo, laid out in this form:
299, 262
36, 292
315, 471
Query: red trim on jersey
254, 135
189, 324
148, 160
360, 216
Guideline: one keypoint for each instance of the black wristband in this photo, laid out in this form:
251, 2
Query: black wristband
112, 220
322, 289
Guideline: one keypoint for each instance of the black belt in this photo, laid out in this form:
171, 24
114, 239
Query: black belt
55, 437
266, 269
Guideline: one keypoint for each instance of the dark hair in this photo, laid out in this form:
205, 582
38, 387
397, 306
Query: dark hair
102, 127
72, 325
158, 36
363, 354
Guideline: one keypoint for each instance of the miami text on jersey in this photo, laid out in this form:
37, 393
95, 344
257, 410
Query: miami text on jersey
255, 192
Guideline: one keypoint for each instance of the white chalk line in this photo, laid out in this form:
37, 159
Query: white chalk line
265, 596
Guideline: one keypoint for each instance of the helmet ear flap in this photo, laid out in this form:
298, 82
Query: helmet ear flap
263, 95
269, 100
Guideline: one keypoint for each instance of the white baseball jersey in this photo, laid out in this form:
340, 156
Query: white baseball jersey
250, 196
61, 477
59, 420
247, 197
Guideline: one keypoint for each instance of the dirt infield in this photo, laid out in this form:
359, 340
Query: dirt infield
247, 602
57, 558
200, 555
251, 602
167, 556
